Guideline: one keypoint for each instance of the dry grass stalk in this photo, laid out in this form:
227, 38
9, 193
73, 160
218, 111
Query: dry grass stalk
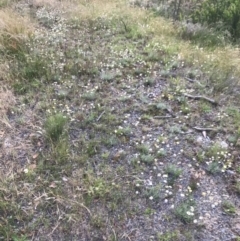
93, 9
14, 30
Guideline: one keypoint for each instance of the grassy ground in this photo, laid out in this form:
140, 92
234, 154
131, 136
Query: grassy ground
113, 127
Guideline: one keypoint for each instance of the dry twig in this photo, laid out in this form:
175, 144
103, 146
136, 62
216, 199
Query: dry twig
100, 115
163, 116
204, 128
197, 97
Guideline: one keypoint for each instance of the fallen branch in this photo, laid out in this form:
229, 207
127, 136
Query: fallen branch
163, 116
204, 128
197, 97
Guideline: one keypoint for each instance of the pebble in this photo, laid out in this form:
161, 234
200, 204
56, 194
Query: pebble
223, 144
199, 140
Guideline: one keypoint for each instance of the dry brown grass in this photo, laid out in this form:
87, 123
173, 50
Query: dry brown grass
14, 30
165, 32
92, 9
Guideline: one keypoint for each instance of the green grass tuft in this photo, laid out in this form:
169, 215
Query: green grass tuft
54, 126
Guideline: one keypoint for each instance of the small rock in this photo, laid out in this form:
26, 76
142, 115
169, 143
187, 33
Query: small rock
230, 172
222, 144
199, 140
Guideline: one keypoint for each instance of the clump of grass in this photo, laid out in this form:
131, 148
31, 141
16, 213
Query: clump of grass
20, 238
110, 141
175, 129
173, 170
185, 109
213, 167
161, 153
92, 148
60, 151
147, 159
123, 131
90, 96
219, 159
157, 108
54, 126
173, 173
29, 72
34, 67
149, 211
144, 149
14, 31
108, 76
205, 107
229, 208
185, 211
97, 187
153, 193
168, 236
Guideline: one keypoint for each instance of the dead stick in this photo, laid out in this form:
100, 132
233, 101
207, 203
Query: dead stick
201, 97
163, 116
100, 115
204, 129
